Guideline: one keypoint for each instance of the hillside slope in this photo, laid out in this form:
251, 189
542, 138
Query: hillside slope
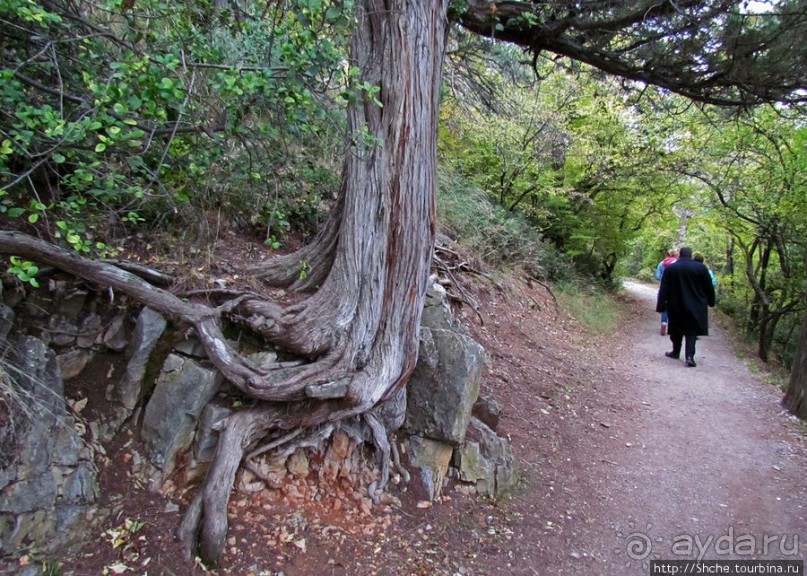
625, 454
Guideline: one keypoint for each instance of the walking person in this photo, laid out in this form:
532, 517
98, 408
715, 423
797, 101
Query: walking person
686, 292
699, 257
672, 256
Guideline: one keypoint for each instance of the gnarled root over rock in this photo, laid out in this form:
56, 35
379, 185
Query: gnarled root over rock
203, 529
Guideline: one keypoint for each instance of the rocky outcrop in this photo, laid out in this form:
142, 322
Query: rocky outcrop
47, 472
171, 416
127, 391
160, 386
445, 384
444, 406
485, 460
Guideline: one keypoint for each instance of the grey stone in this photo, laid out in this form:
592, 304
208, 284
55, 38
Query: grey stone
432, 457
190, 346
182, 391
487, 460
29, 493
38, 305
6, 321
39, 375
436, 312
67, 444
73, 362
80, 486
67, 519
71, 303
90, 331
62, 331
150, 326
33, 529
45, 473
472, 466
444, 385
116, 337
206, 436
488, 411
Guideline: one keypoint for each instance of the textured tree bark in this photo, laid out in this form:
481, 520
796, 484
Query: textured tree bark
362, 324
795, 399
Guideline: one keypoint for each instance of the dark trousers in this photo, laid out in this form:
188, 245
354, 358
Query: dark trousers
678, 338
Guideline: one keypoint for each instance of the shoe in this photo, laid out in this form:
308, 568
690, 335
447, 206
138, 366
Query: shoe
691, 362
663, 329
672, 355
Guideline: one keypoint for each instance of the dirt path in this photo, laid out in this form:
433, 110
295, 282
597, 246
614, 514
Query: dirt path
661, 461
711, 454
627, 456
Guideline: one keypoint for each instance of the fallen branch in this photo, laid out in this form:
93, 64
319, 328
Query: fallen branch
548, 289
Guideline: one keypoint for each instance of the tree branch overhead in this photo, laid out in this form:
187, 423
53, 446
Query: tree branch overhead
710, 51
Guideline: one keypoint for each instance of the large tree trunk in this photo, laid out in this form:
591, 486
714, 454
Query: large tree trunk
362, 324
795, 399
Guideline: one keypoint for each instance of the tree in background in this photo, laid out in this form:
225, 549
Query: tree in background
752, 169
369, 264
795, 398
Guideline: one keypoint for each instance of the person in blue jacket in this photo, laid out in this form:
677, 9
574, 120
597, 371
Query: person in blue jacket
686, 292
699, 257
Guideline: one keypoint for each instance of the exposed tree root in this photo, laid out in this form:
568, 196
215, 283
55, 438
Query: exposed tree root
205, 521
277, 382
204, 527
381, 441
308, 267
548, 289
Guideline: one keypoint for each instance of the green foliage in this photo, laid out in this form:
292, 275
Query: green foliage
25, 271
592, 306
112, 119
746, 194
753, 168
584, 165
497, 237
614, 182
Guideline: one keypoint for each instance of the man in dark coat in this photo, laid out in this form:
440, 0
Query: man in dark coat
685, 292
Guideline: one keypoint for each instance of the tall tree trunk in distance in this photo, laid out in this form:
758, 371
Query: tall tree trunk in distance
795, 399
